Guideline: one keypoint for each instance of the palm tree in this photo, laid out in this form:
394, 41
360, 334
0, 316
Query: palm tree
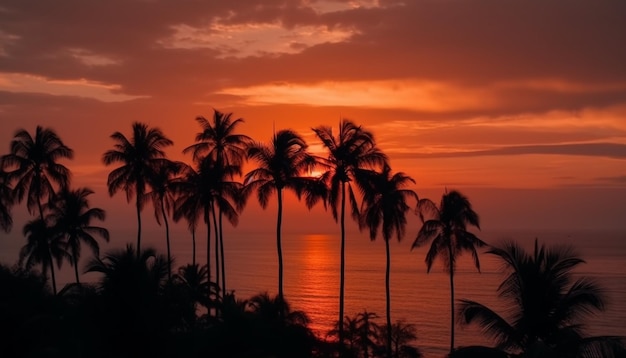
385, 205
228, 202
139, 157
43, 247
446, 226
196, 280
161, 181
187, 204
545, 306
134, 312
35, 167
281, 164
6, 200
360, 333
197, 192
219, 142
352, 150
72, 218
402, 334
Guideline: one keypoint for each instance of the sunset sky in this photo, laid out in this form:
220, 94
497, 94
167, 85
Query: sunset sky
521, 105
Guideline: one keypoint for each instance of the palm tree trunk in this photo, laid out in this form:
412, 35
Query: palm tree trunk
217, 247
54, 283
167, 239
222, 254
75, 259
207, 220
343, 264
279, 248
388, 293
52, 276
193, 246
451, 297
137, 203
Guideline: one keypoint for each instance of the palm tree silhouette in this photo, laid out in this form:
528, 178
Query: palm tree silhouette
281, 164
446, 226
352, 150
188, 204
43, 247
161, 181
402, 334
6, 201
196, 280
139, 156
132, 306
72, 218
361, 334
35, 167
385, 205
545, 306
219, 142
200, 191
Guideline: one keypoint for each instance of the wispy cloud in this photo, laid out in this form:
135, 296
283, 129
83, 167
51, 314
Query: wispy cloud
16, 82
608, 150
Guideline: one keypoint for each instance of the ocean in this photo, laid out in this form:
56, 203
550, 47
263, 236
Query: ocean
311, 276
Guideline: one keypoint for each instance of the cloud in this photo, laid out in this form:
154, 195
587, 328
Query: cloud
15, 82
607, 150
621, 179
254, 39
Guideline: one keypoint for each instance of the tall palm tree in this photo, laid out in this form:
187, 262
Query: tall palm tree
219, 142
161, 181
35, 168
199, 191
139, 156
185, 187
446, 226
352, 150
228, 202
385, 206
43, 247
546, 306
72, 218
281, 164
6, 201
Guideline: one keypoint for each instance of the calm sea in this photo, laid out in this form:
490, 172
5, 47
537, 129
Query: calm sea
311, 281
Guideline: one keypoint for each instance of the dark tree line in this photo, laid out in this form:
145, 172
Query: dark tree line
193, 311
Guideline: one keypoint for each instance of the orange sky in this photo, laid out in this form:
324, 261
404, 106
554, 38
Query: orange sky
520, 105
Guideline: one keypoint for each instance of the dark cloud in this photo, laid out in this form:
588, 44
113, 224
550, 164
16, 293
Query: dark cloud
608, 150
470, 42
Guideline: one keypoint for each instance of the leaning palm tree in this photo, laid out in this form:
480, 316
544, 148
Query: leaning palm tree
43, 247
161, 180
546, 306
281, 164
352, 150
139, 156
6, 201
218, 142
73, 218
35, 171
385, 205
446, 226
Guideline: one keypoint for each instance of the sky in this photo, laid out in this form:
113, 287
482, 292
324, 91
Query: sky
520, 105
